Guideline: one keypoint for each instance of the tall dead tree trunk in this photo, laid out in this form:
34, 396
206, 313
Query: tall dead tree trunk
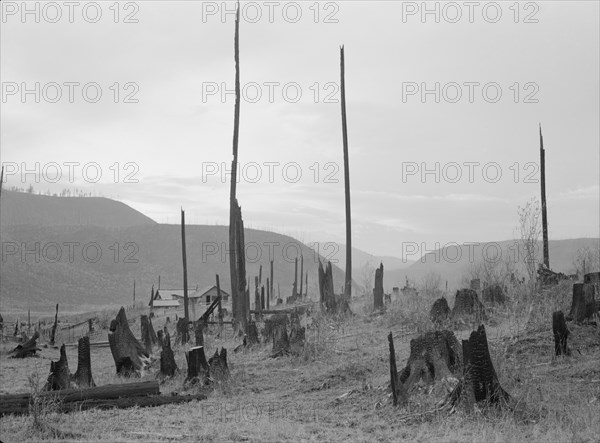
185, 281
83, 376
543, 191
281, 343
348, 282
306, 285
268, 300
295, 286
53, 332
378, 289
220, 306
301, 274
272, 294
262, 298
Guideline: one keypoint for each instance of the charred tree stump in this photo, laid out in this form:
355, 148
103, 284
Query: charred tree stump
147, 330
561, 333
28, 348
330, 302
440, 311
83, 376
182, 331
281, 343
198, 332
434, 356
583, 305
297, 334
252, 336
467, 304
399, 394
129, 355
168, 367
378, 289
218, 366
53, 332
59, 377
161, 339
198, 369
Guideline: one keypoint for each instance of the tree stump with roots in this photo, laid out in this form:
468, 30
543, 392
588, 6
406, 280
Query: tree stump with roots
467, 304
129, 355
583, 306
83, 376
198, 368
440, 311
218, 366
168, 367
297, 334
281, 343
252, 336
561, 333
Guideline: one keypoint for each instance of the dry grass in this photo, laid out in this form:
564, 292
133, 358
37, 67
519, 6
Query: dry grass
337, 389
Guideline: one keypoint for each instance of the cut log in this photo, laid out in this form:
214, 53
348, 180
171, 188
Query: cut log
198, 369
440, 311
281, 344
83, 376
168, 367
219, 369
561, 333
27, 349
59, 377
399, 394
378, 289
583, 305
434, 356
129, 355
19, 403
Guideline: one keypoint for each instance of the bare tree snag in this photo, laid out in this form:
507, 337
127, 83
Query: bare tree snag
26, 349
543, 192
399, 394
561, 333
168, 367
83, 376
185, 281
218, 366
434, 356
262, 298
584, 304
129, 355
198, 369
281, 343
256, 295
271, 282
59, 377
348, 281
329, 300
295, 285
301, 274
378, 289
268, 300
440, 311
53, 332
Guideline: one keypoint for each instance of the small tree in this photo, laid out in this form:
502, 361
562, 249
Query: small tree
529, 230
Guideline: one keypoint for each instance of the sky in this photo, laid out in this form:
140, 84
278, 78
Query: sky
444, 102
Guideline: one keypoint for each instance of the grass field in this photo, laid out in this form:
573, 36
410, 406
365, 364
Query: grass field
337, 390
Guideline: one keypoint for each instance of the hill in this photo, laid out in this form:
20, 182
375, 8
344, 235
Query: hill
20, 208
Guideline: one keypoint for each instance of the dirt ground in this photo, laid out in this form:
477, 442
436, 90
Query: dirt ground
337, 390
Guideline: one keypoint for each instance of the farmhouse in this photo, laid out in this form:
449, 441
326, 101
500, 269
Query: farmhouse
173, 298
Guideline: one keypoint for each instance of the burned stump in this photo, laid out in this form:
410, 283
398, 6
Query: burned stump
129, 355
218, 366
28, 348
494, 295
399, 394
168, 367
281, 343
59, 377
148, 335
561, 333
198, 369
583, 305
270, 324
252, 336
182, 331
467, 304
297, 334
330, 302
440, 311
434, 356
83, 376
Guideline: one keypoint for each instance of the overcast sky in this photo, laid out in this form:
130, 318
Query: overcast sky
177, 138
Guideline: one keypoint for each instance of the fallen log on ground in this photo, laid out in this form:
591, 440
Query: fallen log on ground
129, 355
27, 349
19, 403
